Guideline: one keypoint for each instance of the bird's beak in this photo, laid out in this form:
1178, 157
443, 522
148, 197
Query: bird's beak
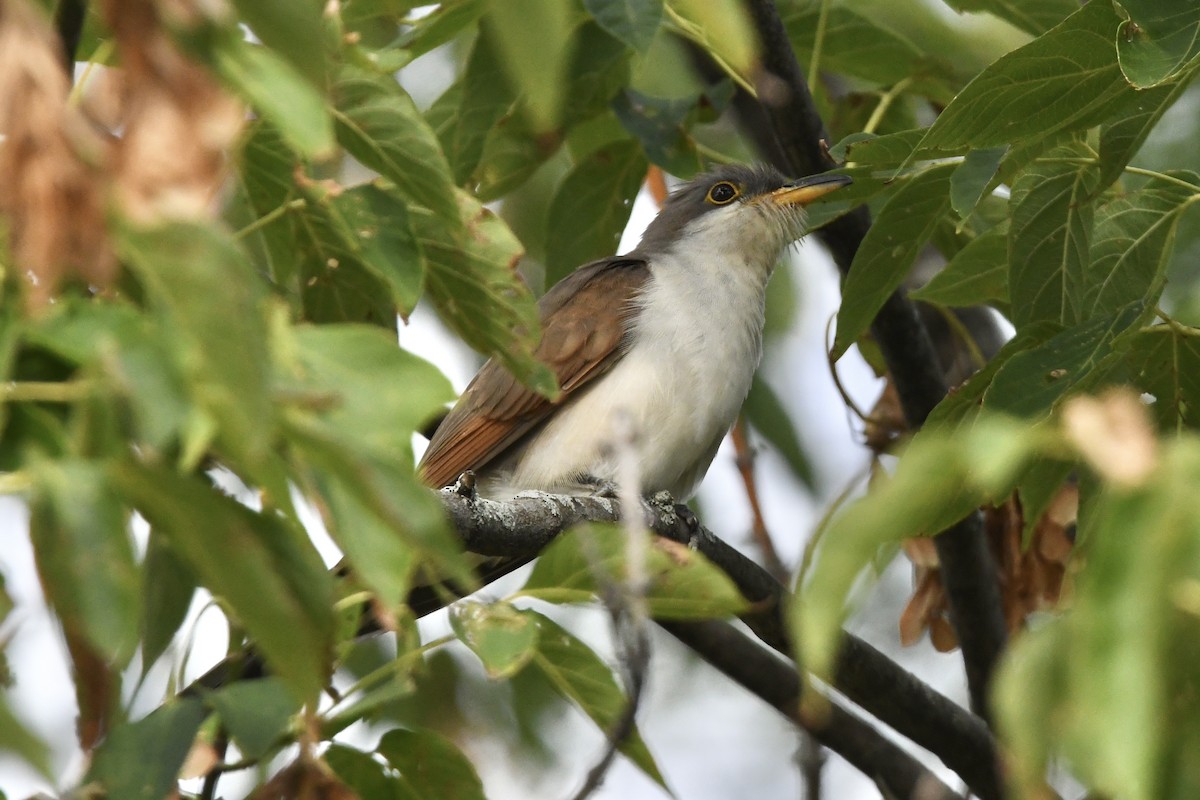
805, 190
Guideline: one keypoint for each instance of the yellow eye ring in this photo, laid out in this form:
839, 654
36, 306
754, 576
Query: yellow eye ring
723, 193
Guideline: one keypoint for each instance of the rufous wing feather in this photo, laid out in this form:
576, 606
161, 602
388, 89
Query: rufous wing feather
585, 329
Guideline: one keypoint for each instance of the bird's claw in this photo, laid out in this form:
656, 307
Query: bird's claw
692, 522
465, 486
603, 488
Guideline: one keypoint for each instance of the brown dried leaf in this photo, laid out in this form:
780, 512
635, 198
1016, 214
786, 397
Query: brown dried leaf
1114, 434
178, 122
52, 162
305, 779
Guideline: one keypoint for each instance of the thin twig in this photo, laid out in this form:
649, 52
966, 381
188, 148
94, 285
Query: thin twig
762, 537
812, 763
625, 597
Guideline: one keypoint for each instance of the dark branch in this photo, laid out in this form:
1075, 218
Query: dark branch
971, 578
778, 684
68, 21
867, 677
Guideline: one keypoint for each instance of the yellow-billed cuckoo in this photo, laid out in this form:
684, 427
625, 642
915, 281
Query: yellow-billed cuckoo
669, 334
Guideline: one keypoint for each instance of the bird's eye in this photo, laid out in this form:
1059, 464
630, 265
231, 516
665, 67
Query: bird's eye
722, 193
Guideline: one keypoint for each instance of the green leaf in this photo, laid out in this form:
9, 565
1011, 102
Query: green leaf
378, 123
1158, 40
1033, 382
266, 172
726, 28
599, 70
768, 416
960, 407
978, 274
336, 286
384, 547
511, 155
1038, 487
1166, 364
662, 126
578, 674
209, 297
132, 353
887, 150
504, 638
267, 573
852, 44
291, 28
368, 777
357, 241
1050, 235
888, 251
432, 765
1126, 648
435, 29
1031, 16
940, 478
1133, 240
168, 585
533, 41
80, 535
634, 22
10, 331
141, 760
1065, 80
972, 177
591, 208
681, 583
471, 279
371, 397
256, 713
277, 92
1031, 679
16, 739
376, 394
485, 99
387, 243
1124, 134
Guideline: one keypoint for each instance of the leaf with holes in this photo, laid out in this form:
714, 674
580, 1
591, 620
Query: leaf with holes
1157, 40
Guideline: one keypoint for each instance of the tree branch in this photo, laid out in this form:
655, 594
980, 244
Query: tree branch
778, 684
971, 583
525, 525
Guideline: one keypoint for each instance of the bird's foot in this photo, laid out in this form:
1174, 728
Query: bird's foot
601, 487
465, 486
664, 503
692, 522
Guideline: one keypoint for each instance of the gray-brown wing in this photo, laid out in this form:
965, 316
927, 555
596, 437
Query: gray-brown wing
584, 331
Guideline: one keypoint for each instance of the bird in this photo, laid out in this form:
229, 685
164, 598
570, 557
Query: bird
668, 335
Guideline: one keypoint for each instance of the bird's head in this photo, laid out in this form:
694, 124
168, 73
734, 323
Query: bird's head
740, 211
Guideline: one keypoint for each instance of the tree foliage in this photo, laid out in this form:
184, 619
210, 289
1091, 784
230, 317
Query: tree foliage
208, 241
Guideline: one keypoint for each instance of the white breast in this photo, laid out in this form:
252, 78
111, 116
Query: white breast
697, 341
